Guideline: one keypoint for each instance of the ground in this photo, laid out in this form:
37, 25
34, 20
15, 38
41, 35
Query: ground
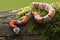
6, 32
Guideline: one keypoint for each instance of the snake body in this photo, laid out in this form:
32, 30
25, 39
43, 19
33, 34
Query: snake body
38, 18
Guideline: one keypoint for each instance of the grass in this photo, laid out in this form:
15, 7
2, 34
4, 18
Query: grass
15, 4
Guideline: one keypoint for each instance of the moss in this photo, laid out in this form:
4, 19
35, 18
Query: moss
50, 30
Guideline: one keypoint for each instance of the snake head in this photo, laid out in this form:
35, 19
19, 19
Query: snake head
16, 30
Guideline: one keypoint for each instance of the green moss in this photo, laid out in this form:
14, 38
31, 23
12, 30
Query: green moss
50, 30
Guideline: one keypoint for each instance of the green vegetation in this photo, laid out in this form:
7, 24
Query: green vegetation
50, 30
